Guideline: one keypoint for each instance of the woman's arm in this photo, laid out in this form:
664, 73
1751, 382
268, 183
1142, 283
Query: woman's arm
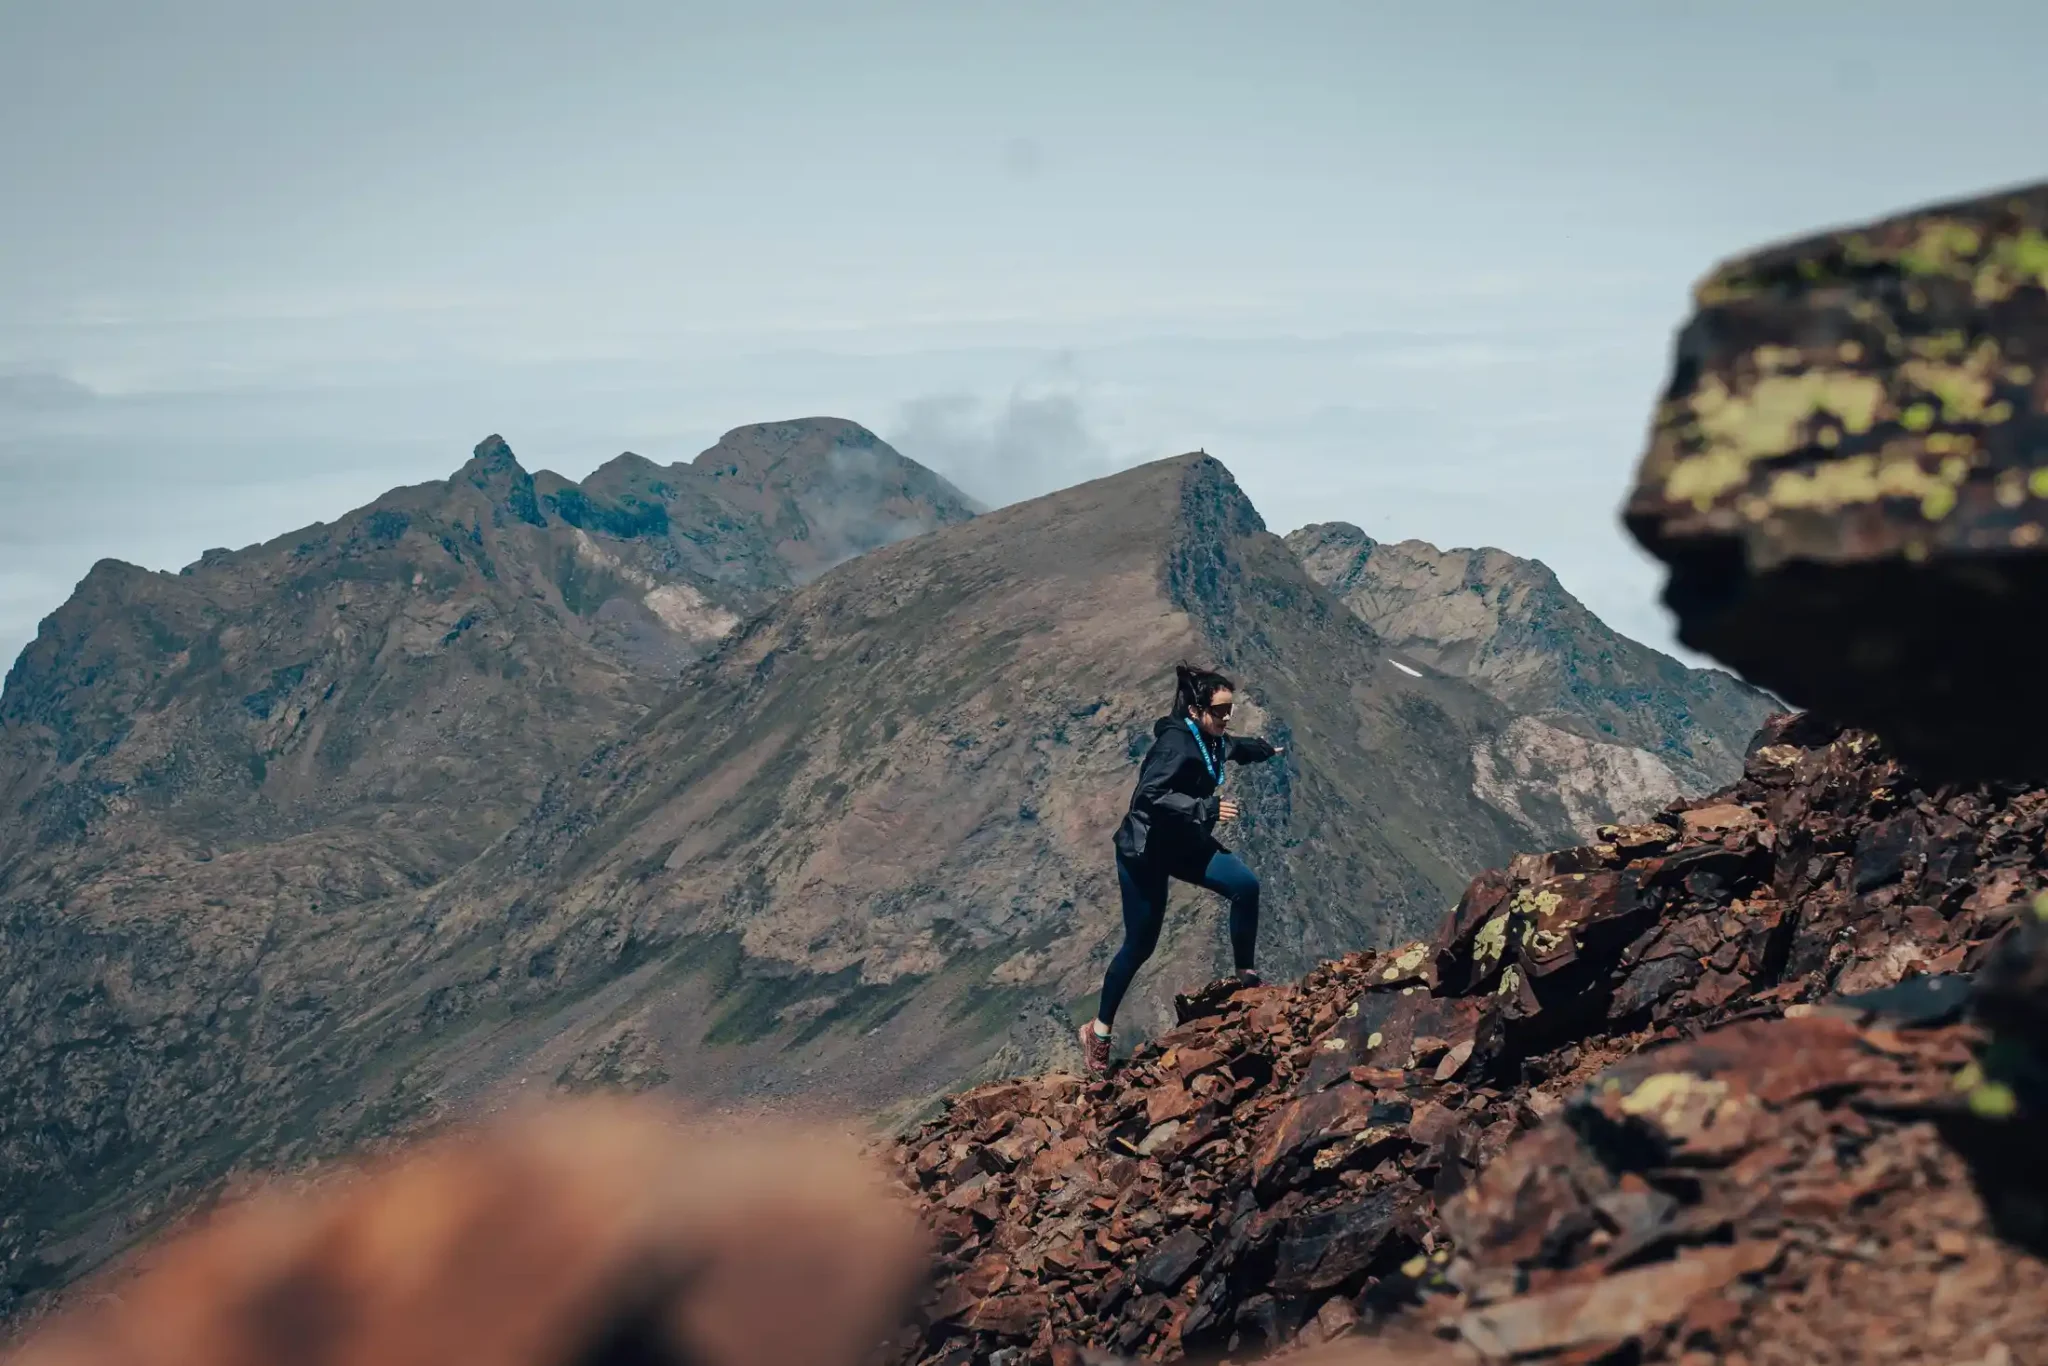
1249, 749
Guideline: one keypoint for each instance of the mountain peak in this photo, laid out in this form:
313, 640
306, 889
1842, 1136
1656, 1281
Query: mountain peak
754, 452
627, 462
1349, 533
497, 472
799, 477
493, 449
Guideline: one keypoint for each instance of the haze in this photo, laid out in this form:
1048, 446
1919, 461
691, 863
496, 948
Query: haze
1413, 266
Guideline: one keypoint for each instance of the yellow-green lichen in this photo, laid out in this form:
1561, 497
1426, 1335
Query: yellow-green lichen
1963, 387
1866, 479
2012, 263
1492, 939
1510, 983
1407, 961
1769, 419
1940, 345
1993, 1100
1664, 1092
1943, 246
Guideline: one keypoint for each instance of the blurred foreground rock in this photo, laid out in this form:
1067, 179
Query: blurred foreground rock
596, 1235
1848, 477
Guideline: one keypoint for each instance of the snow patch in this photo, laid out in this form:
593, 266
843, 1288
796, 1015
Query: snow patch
1412, 673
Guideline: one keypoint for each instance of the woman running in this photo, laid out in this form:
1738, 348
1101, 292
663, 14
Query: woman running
1168, 834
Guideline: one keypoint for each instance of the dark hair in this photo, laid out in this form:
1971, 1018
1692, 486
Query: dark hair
1194, 687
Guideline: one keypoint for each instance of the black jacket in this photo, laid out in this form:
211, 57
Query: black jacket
1173, 810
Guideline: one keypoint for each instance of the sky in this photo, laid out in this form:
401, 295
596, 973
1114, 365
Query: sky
1413, 266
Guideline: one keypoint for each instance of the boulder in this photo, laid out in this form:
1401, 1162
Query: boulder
1847, 476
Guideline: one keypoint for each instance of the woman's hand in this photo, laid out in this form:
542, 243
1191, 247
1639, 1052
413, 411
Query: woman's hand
1226, 811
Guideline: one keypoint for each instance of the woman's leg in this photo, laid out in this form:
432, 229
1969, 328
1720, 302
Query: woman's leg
1227, 876
1144, 895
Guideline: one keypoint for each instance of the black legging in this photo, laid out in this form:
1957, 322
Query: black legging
1144, 884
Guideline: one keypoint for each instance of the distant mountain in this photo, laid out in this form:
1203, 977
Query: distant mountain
1507, 625
508, 780
216, 783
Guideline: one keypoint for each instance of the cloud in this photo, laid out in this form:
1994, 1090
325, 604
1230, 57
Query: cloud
36, 391
1032, 444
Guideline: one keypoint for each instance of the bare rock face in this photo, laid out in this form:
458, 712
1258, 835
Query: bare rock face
1848, 476
1507, 625
1546, 776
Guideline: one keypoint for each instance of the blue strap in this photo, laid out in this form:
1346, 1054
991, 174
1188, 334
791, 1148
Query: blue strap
1215, 765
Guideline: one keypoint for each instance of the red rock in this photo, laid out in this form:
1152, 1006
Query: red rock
1016, 1315
1720, 819
1613, 1309
1168, 1102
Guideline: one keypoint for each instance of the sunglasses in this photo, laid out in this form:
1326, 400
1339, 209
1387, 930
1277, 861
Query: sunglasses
1219, 711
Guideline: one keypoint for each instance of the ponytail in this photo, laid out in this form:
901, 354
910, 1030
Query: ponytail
1196, 687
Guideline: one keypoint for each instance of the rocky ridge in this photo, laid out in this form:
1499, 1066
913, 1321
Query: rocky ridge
1612, 726
1700, 1087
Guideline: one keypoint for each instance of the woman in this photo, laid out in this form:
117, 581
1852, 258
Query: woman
1167, 834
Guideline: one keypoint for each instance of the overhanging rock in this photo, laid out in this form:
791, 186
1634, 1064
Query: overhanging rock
1848, 478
